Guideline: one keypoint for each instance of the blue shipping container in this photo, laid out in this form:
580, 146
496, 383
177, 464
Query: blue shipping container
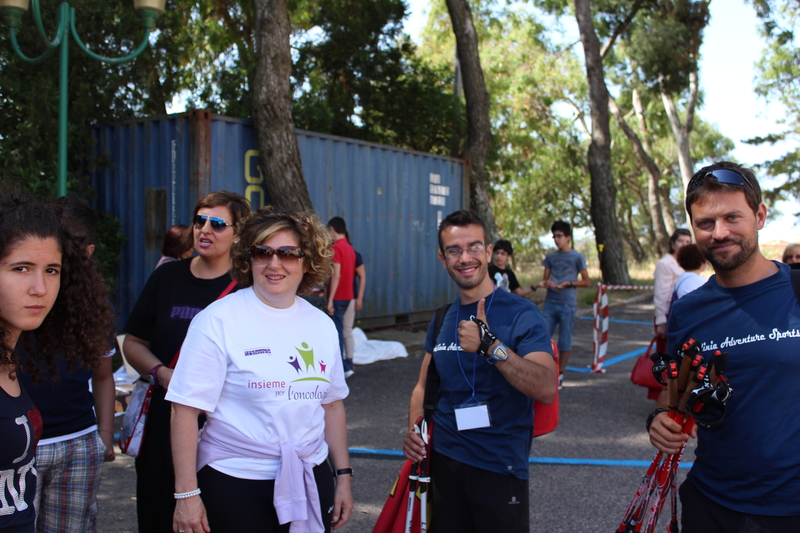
391, 199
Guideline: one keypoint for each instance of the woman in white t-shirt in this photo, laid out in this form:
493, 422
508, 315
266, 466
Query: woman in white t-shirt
265, 367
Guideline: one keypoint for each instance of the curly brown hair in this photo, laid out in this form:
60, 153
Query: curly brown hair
80, 324
313, 237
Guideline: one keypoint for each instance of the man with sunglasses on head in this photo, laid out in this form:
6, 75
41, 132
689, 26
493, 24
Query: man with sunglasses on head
492, 354
746, 475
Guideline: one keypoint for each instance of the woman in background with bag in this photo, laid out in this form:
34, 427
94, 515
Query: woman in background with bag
173, 295
42, 269
264, 365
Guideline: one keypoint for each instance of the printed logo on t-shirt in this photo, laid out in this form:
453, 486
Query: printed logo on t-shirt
306, 366
13, 486
501, 280
257, 351
184, 312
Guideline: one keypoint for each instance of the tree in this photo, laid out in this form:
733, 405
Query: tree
613, 263
278, 152
778, 80
479, 128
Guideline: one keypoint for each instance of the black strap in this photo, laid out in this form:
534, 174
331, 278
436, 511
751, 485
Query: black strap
432, 380
795, 277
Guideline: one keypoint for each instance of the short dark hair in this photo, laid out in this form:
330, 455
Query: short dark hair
678, 232
79, 217
707, 186
338, 225
175, 241
690, 257
504, 245
460, 219
563, 227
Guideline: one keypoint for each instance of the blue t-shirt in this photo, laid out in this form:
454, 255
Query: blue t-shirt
505, 446
564, 266
750, 462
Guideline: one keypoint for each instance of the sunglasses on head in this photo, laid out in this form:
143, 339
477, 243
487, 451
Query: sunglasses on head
287, 255
722, 175
217, 224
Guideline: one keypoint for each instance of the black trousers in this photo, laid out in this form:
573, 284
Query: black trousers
155, 477
467, 499
234, 505
701, 514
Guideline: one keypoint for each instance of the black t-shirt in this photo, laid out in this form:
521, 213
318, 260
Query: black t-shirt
20, 430
66, 405
169, 301
504, 278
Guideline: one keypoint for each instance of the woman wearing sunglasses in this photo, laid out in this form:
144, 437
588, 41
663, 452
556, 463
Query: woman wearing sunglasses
265, 368
173, 295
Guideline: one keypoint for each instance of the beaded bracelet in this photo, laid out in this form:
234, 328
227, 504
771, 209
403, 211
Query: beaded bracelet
182, 495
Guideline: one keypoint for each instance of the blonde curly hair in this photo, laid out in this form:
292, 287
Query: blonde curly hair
312, 236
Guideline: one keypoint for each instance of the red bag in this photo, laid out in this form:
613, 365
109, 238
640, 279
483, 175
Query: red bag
642, 373
545, 417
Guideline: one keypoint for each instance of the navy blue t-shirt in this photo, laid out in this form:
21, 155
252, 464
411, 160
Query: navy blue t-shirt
505, 446
20, 430
750, 462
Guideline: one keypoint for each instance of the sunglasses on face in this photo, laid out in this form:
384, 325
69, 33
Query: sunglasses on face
722, 175
287, 255
217, 224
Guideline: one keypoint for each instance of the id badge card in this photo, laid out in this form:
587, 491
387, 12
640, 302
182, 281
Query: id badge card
472, 416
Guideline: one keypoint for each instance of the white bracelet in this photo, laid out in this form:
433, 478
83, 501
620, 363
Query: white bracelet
182, 495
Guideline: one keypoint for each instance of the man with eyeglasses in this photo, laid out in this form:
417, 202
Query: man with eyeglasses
564, 270
492, 354
746, 475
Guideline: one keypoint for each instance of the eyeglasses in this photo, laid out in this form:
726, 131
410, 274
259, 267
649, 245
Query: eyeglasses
558, 235
217, 224
722, 175
475, 249
287, 255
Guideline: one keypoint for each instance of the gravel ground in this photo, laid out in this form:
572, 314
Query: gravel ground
602, 417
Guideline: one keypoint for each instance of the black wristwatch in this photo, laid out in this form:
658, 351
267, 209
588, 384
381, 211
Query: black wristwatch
487, 337
342, 472
652, 417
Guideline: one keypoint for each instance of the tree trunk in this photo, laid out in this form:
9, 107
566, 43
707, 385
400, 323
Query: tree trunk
479, 127
682, 132
278, 153
611, 250
653, 172
667, 208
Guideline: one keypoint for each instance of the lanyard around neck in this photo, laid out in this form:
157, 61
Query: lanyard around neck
474, 354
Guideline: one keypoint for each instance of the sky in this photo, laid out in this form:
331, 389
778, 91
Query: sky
731, 46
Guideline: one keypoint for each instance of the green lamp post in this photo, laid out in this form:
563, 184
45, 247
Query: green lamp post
12, 11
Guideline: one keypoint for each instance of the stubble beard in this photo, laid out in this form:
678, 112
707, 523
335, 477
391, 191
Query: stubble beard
730, 262
471, 284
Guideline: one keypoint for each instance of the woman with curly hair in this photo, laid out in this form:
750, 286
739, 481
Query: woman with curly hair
264, 366
47, 282
173, 295
78, 419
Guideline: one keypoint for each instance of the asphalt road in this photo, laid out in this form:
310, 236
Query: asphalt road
581, 476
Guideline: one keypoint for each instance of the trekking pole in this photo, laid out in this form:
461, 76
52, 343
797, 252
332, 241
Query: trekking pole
413, 477
424, 481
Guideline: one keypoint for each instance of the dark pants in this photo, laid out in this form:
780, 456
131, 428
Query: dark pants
701, 514
155, 478
467, 499
339, 309
234, 505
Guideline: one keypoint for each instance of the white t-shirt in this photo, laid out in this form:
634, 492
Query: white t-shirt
261, 374
688, 282
667, 271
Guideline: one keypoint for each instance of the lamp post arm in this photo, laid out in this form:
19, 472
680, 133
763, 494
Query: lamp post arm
21, 54
63, 11
139, 49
